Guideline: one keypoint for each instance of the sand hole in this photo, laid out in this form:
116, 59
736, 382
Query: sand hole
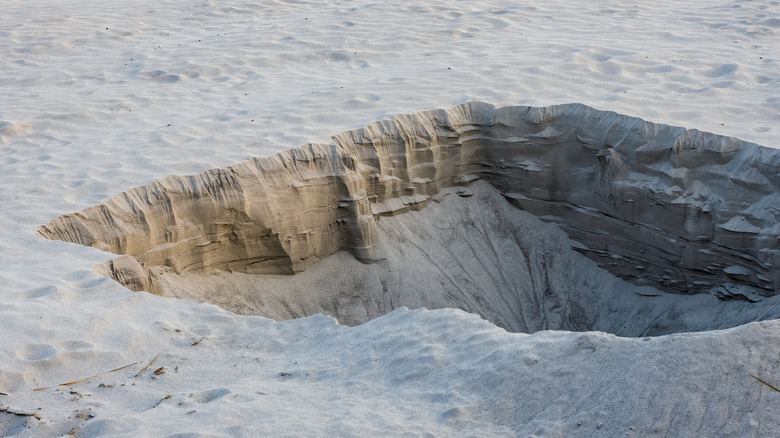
561, 217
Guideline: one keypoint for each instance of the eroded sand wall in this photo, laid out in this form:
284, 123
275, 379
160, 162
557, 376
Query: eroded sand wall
685, 210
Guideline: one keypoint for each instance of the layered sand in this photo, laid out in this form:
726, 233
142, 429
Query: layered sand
684, 211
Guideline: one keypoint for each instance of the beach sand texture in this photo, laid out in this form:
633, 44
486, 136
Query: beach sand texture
98, 98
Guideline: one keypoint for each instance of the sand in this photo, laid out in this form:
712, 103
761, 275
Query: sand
100, 98
678, 210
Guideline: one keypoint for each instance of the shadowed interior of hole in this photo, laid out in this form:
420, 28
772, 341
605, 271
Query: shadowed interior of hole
477, 252
476, 208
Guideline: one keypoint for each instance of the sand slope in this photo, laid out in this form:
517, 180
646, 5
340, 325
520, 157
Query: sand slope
478, 254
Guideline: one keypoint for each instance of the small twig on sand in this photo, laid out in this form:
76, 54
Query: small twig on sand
83, 380
767, 384
148, 365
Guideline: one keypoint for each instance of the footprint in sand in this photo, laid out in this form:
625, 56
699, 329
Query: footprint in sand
36, 352
39, 292
76, 346
606, 68
210, 395
722, 71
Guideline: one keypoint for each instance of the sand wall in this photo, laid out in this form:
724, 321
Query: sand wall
687, 211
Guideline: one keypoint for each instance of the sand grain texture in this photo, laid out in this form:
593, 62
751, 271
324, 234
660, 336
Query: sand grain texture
98, 98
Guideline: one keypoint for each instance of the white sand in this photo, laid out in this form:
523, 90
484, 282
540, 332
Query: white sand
98, 98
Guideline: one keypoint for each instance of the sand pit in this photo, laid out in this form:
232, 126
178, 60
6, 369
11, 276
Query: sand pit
101, 97
560, 217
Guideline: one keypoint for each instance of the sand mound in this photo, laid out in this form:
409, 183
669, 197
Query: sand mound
680, 210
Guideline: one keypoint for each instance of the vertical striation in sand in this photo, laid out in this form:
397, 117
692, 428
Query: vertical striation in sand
684, 210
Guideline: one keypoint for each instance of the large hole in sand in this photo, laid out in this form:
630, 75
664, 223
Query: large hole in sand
562, 217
